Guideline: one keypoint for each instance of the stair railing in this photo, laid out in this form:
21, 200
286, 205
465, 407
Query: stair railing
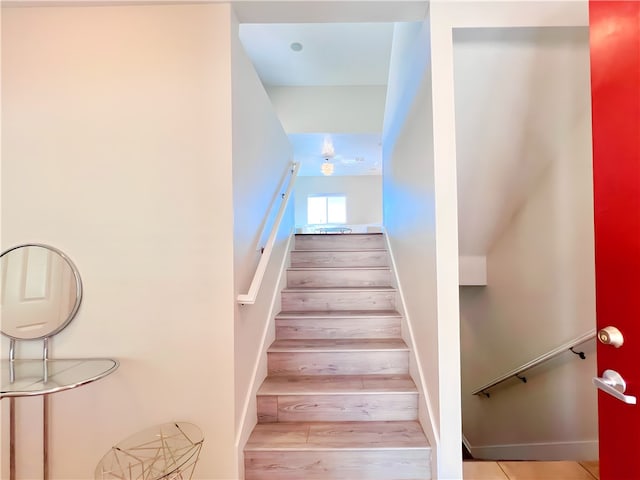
517, 372
254, 288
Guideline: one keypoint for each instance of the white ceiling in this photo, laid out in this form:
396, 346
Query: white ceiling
332, 53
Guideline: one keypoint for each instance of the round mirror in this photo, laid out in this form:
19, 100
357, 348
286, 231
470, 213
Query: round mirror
40, 291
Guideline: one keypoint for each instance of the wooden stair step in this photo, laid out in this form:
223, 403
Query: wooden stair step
384, 356
324, 314
347, 241
338, 324
338, 450
338, 435
336, 384
338, 345
338, 277
335, 258
337, 398
346, 298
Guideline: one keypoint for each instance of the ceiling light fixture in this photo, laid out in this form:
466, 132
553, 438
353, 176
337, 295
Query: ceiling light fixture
327, 148
327, 152
327, 167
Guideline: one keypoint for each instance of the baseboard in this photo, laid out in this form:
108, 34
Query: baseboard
246, 425
466, 444
426, 412
580, 450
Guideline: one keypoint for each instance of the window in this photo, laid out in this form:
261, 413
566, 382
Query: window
324, 209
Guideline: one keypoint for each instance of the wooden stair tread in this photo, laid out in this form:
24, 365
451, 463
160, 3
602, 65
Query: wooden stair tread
339, 250
337, 268
389, 435
353, 234
287, 315
337, 384
337, 289
338, 345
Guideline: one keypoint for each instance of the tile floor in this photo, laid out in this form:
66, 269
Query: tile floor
486, 470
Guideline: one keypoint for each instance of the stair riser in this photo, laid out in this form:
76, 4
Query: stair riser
333, 301
377, 258
338, 278
339, 242
338, 328
338, 465
338, 363
337, 408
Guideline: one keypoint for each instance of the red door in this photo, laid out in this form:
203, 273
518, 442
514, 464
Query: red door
615, 87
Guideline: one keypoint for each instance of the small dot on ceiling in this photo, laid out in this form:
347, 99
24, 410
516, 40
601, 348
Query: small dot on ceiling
296, 46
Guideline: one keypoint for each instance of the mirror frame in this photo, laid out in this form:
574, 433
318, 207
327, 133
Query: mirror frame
76, 275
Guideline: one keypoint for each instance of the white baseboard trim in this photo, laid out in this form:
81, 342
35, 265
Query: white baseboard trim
246, 426
427, 420
580, 450
466, 443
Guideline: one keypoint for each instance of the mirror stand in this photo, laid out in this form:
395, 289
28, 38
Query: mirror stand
45, 360
41, 292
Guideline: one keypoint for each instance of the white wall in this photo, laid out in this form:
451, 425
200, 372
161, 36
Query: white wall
364, 196
116, 129
540, 294
343, 109
409, 209
262, 157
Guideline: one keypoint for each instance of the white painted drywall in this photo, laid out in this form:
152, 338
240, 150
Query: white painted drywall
409, 209
116, 148
339, 109
364, 196
262, 158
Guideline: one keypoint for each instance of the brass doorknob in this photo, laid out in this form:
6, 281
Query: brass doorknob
611, 336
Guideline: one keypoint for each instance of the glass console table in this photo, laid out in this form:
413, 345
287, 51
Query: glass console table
25, 378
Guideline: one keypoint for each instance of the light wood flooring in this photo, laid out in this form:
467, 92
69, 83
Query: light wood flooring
481, 470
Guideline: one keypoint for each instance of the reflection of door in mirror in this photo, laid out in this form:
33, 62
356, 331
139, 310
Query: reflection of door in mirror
38, 292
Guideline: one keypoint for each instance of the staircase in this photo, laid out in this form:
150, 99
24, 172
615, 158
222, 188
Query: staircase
338, 401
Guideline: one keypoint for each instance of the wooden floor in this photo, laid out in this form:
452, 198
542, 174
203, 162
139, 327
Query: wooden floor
481, 470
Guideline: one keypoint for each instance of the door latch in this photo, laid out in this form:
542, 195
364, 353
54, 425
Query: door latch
613, 383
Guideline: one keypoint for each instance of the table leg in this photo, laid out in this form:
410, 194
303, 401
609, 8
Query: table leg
12, 438
45, 437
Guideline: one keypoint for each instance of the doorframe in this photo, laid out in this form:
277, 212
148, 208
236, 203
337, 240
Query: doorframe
445, 17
